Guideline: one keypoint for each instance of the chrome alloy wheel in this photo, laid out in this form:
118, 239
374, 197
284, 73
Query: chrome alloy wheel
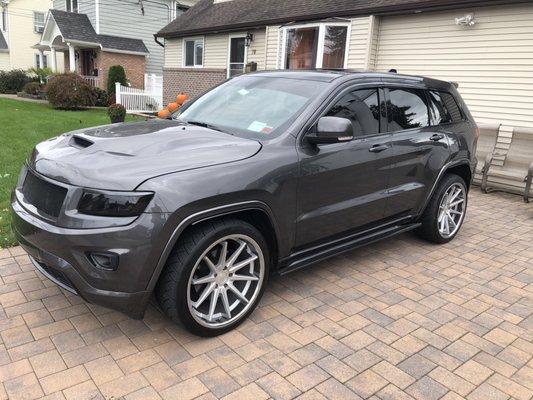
451, 210
225, 281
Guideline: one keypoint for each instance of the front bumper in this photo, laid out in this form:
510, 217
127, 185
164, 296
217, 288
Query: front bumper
61, 255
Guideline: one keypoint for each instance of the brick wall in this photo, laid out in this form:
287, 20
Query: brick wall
133, 64
190, 81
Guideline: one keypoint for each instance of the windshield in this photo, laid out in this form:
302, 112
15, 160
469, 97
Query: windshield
252, 106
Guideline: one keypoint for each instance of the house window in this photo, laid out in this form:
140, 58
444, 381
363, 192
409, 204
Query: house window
38, 61
193, 52
72, 5
180, 9
38, 22
316, 46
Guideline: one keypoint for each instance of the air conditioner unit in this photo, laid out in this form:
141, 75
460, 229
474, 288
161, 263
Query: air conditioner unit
40, 29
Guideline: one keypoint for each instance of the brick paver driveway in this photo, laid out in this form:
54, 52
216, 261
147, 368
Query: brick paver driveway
398, 319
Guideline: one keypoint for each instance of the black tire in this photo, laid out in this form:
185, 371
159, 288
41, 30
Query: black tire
171, 290
429, 229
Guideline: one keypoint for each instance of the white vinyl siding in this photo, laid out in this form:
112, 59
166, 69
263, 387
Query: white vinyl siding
492, 61
216, 51
357, 51
256, 51
272, 46
173, 53
84, 7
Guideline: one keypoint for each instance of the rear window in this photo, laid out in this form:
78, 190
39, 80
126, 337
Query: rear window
444, 108
407, 109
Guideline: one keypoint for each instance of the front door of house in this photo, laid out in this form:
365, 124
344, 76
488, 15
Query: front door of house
237, 55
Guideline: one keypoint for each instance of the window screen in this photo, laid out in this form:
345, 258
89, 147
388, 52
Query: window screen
407, 109
361, 107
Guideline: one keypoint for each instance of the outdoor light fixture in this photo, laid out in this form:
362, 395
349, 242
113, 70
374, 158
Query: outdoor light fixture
467, 21
248, 39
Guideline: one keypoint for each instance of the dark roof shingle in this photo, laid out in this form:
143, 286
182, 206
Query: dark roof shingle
206, 16
78, 28
3, 43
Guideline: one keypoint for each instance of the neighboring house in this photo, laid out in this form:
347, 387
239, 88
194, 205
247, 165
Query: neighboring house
21, 24
485, 46
92, 35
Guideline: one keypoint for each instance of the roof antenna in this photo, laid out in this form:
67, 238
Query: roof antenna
393, 71
142, 6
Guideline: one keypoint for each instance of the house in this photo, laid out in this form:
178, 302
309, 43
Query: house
21, 24
484, 46
89, 36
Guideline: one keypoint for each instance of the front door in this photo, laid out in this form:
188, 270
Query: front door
420, 149
343, 187
237, 55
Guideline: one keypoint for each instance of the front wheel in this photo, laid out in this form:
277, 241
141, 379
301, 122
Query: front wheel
215, 277
445, 212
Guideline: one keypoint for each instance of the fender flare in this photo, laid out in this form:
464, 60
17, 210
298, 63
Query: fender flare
202, 216
446, 167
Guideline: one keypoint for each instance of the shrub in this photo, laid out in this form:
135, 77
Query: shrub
102, 98
40, 74
33, 88
13, 81
116, 74
70, 91
116, 112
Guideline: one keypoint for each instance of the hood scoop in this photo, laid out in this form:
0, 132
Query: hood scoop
80, 142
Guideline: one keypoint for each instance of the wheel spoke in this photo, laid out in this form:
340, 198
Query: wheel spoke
223, 254
225, 302
456, 193
446, 226
242, 264
456, 212
244, 278
238, 293
450, 220
236, 255
205, 279
210, 264
207, 291
213, 304
456, 203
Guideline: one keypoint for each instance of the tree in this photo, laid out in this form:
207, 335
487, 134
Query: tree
116, 74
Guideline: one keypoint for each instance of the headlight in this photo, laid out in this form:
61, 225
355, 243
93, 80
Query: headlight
108, 204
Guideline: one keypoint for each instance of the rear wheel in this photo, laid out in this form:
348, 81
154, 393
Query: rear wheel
215, 277
445, 213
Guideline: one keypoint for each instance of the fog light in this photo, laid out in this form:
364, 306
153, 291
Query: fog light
104, 260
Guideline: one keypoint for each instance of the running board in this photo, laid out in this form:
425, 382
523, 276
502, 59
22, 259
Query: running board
339, 248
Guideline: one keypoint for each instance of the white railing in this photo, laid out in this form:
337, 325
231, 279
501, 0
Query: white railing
94, 81
153, 83
138, 100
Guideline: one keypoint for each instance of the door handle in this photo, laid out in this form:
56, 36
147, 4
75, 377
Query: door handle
378, 148
436, 137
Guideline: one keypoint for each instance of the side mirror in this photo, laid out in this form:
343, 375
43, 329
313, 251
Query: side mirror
332, 130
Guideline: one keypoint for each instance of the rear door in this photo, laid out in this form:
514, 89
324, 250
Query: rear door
420, 148
343, 187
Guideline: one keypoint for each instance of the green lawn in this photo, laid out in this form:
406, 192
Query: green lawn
22, 126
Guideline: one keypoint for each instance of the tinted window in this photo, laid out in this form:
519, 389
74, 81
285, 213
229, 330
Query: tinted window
407, 109
362, 108
439, 111
451, 106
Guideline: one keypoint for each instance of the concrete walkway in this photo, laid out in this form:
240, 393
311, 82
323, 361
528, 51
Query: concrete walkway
400, 319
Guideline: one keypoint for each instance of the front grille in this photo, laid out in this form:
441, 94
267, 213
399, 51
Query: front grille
43, 195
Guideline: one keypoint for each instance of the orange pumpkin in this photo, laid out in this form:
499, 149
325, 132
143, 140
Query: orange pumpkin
163, 113
172, 107
181, 98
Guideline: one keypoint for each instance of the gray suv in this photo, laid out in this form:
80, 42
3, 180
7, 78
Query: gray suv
266, 173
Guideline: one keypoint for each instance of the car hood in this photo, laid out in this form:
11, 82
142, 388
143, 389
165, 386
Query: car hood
122, 156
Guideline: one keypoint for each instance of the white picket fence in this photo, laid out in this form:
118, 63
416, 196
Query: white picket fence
138, 100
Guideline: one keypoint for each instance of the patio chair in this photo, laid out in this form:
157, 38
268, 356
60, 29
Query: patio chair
516, 173
488, 134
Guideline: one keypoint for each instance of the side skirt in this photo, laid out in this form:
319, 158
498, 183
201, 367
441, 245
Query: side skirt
298, 260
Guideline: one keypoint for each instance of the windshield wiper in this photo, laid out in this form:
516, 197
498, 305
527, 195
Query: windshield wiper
206, 125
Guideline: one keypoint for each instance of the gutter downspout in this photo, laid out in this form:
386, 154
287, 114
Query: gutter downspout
156, 39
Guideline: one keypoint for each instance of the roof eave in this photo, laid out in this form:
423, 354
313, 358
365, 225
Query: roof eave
135, 53
379, 11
